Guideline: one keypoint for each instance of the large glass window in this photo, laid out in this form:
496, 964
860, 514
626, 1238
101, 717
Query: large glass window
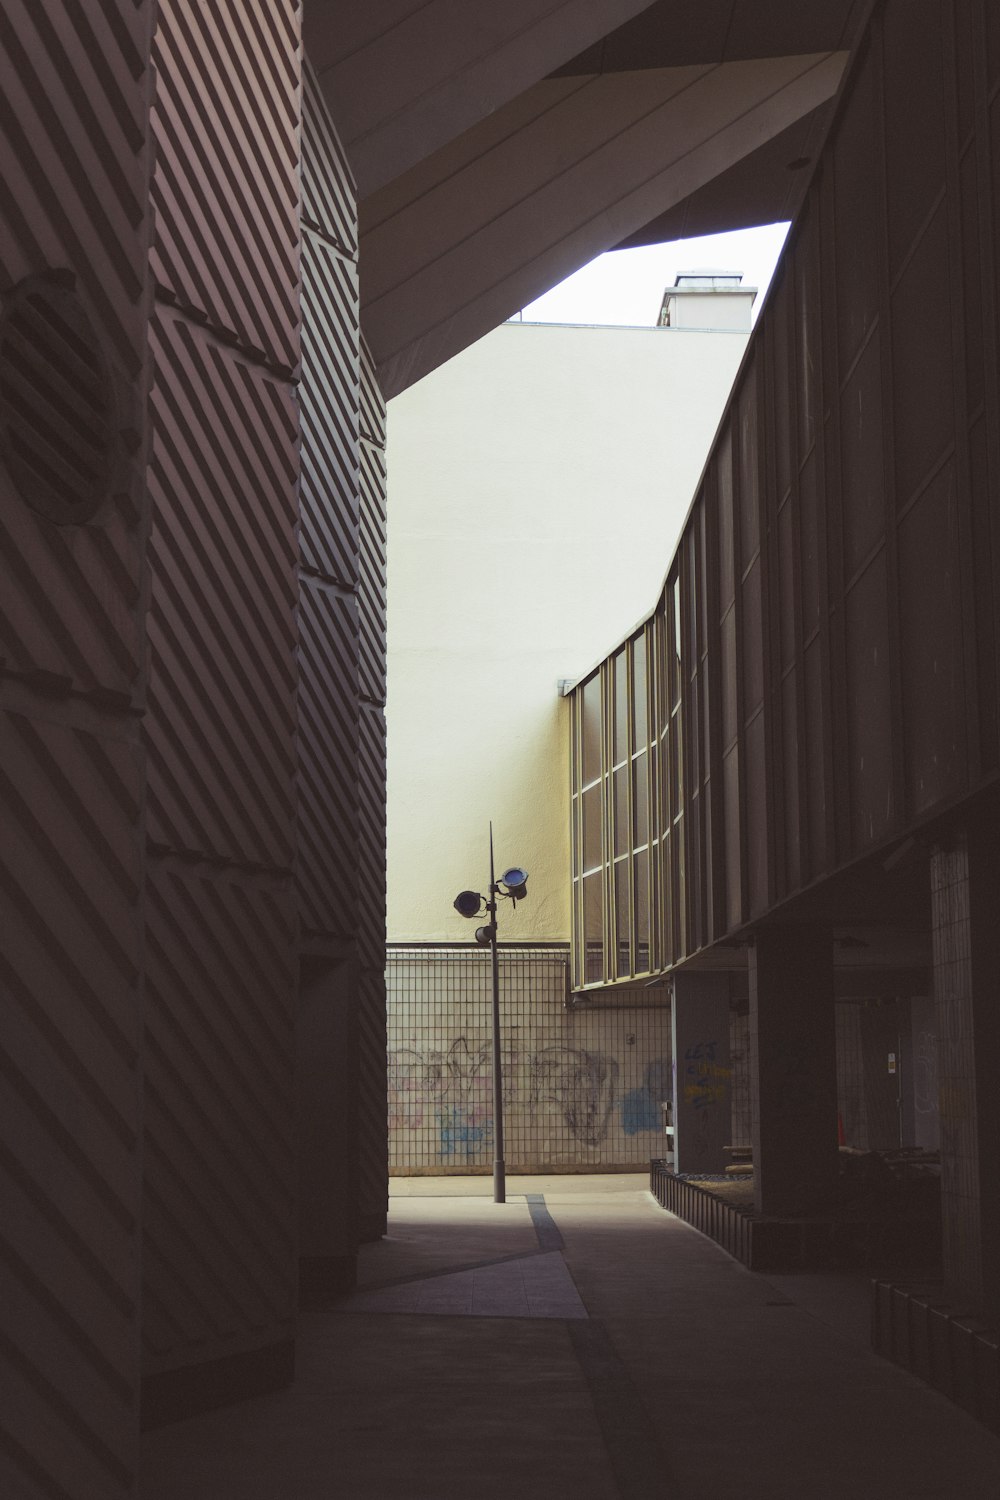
627, 802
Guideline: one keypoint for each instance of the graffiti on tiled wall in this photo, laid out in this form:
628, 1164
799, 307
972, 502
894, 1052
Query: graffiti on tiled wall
581, 1087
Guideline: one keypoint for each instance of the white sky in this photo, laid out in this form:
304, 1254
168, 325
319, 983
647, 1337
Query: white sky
626, 286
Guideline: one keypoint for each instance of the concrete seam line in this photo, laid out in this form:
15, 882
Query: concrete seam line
639, 1464
472, 1265
546, 1229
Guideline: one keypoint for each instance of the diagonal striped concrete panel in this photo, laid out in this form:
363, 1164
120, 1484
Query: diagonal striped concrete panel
75, 162
373, 1130
222, 180
218, 1249
69, 1098
221, 629
372, 596
219, 1164
329, 396
328, 614
327, 770
329, 192
73, 201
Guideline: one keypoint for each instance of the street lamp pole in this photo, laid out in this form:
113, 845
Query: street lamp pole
499, 1173
512, 886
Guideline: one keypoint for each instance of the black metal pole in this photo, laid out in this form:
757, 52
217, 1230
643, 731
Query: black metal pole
499, 1184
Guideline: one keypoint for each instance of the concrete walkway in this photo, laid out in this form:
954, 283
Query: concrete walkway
577, 1343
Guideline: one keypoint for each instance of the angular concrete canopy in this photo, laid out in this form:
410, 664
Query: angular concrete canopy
403, 79
568, 170
499, 148
763, 187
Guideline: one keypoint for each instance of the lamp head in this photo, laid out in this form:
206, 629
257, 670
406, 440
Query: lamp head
516, 881
484, 936
467, 903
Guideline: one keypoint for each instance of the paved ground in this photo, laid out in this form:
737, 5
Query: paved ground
578, 1343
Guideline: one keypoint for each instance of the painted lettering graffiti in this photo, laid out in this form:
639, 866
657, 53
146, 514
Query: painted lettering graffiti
452, 1088
706, 1081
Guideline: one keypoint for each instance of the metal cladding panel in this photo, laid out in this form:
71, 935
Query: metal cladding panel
372, 1084
73, 120
329, 193
327, 770
222, 625
848, 508
373, 1125
851, 391
371, 798
373, 572
373, 412
74, 227
931, 657
329, 396
74, 201
219, 1220
225, 188
219, 1248
373, 533
340, 856
328, 620
69, 1096
372, 752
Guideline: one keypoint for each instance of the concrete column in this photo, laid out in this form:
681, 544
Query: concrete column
793, 1070
965, 923
702, 1072
327, 1082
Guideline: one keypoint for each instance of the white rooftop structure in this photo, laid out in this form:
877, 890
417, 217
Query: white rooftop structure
707, 298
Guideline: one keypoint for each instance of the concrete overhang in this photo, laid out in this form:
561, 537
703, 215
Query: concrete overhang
499, 148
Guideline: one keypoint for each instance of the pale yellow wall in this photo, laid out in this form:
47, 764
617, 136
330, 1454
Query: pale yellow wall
537, 484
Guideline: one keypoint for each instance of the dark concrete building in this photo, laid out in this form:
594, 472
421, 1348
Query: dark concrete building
229, 232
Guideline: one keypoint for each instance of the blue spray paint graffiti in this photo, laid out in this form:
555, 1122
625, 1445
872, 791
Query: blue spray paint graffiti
462, 1133
640, 1108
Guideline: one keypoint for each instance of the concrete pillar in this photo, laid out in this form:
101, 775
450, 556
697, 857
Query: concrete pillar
702, 1072
327, 1082
793, 1070
965, 922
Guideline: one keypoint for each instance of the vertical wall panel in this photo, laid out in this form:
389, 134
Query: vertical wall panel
220, 1169
223, 181
222, 634
868, 402
74, 195
327, 772
371, 787
340, 868
330, 495
69, 1043
219, 1251
329, 632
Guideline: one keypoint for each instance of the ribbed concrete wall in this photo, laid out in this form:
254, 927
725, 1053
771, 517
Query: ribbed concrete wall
219, 1259
340, 865
74, 147
373, 1141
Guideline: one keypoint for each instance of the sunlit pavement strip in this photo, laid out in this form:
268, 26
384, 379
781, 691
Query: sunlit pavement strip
535, 1286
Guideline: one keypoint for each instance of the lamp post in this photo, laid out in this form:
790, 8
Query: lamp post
513, 886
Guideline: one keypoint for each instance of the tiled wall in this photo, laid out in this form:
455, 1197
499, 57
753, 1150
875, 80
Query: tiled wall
582, 1087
